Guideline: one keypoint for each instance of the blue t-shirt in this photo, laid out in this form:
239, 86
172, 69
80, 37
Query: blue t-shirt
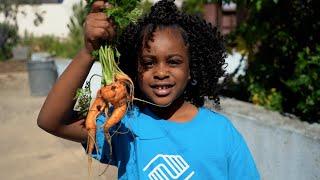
147, 147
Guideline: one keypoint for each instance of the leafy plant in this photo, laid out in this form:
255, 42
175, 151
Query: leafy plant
123, 13
145, 6
75, 26
83, 97
305, 83
192, 7
271, 99
8, 39
275, 35
49, 43
9, 27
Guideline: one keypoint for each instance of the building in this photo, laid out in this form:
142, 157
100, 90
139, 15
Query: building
222, 16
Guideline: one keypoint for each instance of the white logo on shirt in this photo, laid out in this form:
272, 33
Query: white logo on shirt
167, 167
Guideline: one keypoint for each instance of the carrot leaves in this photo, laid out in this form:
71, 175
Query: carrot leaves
123, 12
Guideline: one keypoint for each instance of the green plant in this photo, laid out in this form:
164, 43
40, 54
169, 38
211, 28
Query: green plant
274, 35
54, 45
192, 7
8, 39
145, 6
270, 98
75, 26
9, 27
305, 83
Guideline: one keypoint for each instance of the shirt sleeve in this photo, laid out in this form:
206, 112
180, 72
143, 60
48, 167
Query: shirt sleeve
241, 164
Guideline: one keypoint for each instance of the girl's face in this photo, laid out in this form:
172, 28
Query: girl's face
164, 67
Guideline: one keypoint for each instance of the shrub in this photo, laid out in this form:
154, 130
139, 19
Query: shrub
8, 39
282, 43
305, 84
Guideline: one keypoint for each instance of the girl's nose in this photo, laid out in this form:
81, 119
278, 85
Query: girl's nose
161, 73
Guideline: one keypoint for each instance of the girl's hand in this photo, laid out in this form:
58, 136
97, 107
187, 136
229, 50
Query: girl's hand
97, 27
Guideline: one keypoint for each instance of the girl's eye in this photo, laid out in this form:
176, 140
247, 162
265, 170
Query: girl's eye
174, 62
147, 64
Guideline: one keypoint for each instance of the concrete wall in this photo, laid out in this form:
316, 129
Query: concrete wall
283, 148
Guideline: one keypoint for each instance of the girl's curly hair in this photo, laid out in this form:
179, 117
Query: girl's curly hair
206, 49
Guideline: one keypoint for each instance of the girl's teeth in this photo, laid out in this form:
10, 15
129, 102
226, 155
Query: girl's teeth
162, 90
162, 87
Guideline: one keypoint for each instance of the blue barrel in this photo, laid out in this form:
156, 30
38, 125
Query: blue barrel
42, 75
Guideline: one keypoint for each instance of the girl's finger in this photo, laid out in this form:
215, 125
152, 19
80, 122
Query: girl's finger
111, 33
101, 33
97, 16
99, 24
98, 33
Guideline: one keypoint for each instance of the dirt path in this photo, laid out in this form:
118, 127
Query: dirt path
12, 66
26, 151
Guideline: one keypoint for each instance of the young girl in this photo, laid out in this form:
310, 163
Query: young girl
175, 61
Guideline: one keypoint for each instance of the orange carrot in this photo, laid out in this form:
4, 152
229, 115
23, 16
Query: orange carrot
96, 108
115, 93
117, 87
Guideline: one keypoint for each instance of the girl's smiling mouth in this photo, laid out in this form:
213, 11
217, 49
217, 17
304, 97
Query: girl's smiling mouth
162, 89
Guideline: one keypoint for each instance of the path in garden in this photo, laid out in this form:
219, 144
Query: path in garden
26, 151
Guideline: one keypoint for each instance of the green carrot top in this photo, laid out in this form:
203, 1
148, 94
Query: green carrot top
122, 13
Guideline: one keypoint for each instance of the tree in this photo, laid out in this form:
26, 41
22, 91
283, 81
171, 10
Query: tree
281, 40
9, 27
282, 43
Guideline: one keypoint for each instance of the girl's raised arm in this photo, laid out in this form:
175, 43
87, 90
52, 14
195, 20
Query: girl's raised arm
57, 116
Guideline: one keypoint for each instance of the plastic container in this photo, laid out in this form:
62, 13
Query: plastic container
42, 75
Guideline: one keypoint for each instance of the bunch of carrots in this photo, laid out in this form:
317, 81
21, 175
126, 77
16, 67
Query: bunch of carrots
117, 87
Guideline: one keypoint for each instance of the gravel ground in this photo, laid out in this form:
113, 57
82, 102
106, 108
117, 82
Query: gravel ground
26, 151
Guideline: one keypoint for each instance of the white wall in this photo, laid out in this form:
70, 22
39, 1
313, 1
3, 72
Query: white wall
56, 18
